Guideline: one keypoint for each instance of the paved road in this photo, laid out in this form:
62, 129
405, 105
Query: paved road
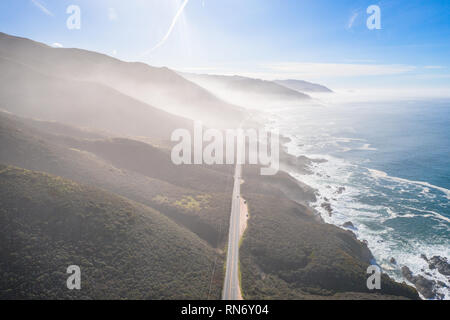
231, 289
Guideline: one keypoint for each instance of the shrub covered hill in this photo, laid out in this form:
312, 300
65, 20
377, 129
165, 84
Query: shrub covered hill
125, 249
196, 197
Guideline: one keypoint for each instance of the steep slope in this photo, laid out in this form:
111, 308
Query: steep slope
31, 93
194, 196
303, 86
160, 87
125, 250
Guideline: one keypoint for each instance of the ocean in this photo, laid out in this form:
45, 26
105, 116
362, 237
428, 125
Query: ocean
387, 171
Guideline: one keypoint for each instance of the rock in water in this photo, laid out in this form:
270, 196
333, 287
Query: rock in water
349, 225
441, 264
423, 285
340, 190
327, 207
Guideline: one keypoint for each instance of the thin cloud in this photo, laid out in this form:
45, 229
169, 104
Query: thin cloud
42, 8
57, 45
352, 19
433, 76
339, 69
433, 67
172, 25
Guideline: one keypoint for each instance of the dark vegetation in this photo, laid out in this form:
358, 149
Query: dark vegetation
280, 184
124, 249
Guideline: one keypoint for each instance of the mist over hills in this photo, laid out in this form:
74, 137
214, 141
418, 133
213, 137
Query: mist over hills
126, 167
253, 93
85, 104
249, 85
158, 87
86, 178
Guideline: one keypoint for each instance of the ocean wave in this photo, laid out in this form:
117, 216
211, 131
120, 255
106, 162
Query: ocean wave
367, 146
377, 174
432, 214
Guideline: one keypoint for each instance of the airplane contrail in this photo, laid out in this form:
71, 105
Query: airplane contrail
42, 8
167, 35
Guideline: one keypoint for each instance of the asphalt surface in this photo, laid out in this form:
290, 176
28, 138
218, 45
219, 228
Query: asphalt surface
231, 288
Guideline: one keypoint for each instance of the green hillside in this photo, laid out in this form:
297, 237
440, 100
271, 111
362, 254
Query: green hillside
125, 250
195, 197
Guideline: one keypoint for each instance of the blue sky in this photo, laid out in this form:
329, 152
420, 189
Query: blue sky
316, 40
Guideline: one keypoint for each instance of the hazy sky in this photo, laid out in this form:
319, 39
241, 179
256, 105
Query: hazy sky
316, 40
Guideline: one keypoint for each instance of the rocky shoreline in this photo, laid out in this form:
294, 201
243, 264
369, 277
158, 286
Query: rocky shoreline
428, 289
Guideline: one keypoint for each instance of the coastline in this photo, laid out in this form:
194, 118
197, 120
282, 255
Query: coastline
431, 287
289, 252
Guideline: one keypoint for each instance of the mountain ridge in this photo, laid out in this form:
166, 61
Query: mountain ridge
303, 86
149, 85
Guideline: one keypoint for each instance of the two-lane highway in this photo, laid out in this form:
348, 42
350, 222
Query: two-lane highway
231, 288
